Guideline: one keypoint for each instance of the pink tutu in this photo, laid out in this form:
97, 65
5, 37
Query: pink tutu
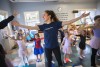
95, 43
67, 50
22, 53
67, 46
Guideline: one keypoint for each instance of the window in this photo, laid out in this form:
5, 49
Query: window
31, 18
1, 17
88, 19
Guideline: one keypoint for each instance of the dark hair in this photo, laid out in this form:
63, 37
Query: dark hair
52, 14
37, 35
96, 17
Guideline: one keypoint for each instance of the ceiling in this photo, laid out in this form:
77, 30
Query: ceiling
77, 1
31, 0
68, 1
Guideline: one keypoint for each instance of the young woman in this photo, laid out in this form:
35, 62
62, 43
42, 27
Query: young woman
50, 29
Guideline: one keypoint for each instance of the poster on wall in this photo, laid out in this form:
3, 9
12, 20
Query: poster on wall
31, 18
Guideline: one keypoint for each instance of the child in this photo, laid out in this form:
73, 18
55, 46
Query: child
38, 50
82, 42
22, 52
67, 46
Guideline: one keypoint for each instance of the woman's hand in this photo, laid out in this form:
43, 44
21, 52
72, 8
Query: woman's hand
16, 23
74, 20
84, 15
15, 13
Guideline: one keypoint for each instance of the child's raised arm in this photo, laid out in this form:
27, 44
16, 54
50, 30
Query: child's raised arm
11, 37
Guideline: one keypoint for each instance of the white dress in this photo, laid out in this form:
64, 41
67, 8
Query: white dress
67, 46
22, 48
22, 51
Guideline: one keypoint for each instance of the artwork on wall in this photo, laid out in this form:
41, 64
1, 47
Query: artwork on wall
31, 18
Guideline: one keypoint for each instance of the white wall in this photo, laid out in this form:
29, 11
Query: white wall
98, 8
41, 7
5, 5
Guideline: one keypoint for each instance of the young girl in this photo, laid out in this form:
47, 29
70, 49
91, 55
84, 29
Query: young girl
22, 52
82, 42
67, 46
38, 50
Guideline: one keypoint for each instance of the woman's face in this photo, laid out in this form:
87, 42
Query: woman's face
46, 17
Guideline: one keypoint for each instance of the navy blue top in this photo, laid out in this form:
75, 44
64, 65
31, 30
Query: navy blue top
51, 34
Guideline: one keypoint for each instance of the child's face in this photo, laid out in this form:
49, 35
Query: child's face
19, 37
36, 36
97, 21
66, 34
83, 32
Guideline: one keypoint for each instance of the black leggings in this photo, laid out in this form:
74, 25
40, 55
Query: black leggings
2, 57
2, 62
94, 52
57, 54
